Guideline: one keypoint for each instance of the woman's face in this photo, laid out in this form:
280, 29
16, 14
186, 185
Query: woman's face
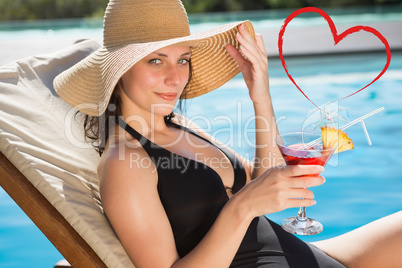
155, 83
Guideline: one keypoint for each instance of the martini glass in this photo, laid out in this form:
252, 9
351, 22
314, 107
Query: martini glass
296, 149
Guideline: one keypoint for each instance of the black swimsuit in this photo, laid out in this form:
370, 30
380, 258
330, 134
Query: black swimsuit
193, 195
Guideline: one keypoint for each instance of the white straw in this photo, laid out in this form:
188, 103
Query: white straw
366, 133
360, 119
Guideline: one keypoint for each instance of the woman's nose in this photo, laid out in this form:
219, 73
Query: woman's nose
173, 76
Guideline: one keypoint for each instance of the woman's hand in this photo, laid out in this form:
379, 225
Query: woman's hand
253, 64
280, 188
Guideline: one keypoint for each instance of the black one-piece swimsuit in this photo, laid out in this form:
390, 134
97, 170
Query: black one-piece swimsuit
193, 195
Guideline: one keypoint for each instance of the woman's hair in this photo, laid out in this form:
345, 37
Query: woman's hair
98, 128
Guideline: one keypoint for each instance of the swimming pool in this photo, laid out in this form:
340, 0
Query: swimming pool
362, 185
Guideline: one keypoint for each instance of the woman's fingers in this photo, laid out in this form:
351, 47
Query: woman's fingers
300, 197
285, 187
290, 198
260, 43
244, 36
301, 193
303, 176
295, 203
302, 170
293, 183
306, 181
234, 53
249, 47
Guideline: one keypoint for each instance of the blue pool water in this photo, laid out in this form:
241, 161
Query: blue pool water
361, 185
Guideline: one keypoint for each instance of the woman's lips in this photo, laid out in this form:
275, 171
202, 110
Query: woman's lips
167, 96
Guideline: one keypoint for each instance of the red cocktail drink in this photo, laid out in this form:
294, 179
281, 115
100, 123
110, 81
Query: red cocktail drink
302, 149
316, 155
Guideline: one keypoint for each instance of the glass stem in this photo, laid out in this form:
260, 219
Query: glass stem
301, 215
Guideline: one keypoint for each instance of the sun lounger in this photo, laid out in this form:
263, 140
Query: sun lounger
46, 166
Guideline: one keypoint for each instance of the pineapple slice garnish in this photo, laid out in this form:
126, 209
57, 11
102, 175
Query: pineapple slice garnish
332, 137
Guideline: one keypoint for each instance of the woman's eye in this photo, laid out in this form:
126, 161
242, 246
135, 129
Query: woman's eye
155, 61
183, 61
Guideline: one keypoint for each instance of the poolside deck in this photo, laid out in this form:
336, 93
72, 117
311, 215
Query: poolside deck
316, 40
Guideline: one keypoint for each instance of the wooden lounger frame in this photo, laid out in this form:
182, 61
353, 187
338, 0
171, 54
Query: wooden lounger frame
52, 224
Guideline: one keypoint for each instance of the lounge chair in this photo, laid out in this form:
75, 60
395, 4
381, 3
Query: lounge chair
46, 166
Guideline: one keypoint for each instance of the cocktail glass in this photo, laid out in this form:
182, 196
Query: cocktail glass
302, 149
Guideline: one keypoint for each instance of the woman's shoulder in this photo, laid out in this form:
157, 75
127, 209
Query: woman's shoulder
123, 160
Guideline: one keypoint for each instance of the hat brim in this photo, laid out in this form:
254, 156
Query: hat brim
89, 84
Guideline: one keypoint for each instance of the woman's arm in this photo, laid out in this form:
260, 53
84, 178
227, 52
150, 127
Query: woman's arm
132, 205
128, 188
254, 67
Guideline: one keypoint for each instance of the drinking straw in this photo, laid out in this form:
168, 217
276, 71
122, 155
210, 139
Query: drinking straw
360, 119
366, 133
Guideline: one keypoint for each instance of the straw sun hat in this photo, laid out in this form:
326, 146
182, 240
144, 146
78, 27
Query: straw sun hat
132, 30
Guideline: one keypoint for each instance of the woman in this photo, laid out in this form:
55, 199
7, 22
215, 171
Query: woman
175, 196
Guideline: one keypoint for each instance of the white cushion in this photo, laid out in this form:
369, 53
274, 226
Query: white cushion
42, 138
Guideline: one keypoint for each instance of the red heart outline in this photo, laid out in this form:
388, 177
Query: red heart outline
337, 39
